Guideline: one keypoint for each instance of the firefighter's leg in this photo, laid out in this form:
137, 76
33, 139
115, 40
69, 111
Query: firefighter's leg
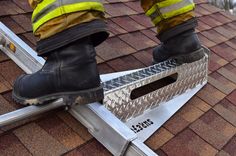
175, 22
67, 41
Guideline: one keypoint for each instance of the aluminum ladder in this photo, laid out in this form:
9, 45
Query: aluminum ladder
124, 121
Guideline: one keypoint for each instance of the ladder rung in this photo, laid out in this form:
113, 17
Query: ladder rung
27, 112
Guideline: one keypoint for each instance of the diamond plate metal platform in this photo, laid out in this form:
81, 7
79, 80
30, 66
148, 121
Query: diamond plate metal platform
122, 123
118, 91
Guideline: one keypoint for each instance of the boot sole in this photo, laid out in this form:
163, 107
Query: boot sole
188, 58
69, 98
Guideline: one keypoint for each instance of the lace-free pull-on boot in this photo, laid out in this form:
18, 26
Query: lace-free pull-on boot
69, 72
184, 47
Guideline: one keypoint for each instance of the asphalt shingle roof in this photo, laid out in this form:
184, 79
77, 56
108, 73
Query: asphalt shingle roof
206, 125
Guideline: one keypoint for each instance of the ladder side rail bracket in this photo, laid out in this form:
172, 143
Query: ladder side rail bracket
109, 130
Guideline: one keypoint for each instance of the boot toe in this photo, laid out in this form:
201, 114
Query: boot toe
17, 84
18, 93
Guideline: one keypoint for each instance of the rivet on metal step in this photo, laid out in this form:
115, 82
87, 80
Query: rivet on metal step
9, 45
12, 47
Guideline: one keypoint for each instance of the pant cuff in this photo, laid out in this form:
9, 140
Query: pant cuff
97, 29
187, 25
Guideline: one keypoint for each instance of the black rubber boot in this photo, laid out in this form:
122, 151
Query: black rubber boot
69, 73
184, 47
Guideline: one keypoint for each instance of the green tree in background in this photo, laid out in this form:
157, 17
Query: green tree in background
229, 5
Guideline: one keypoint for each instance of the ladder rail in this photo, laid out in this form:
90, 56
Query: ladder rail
138, 148
101, 122
20, 51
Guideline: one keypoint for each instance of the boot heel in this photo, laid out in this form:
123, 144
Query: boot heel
84, 97
189, 58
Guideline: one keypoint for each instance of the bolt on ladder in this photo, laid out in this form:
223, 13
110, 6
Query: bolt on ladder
125, 119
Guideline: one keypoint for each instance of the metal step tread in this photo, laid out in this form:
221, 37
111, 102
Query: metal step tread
118, 91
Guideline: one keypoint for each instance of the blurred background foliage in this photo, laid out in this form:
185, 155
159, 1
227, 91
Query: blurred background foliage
229, 5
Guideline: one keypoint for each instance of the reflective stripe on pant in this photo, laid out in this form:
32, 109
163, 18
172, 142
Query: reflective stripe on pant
47, 10
62, 23
166, 14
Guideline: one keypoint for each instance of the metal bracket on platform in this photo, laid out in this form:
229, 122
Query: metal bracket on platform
122, 123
